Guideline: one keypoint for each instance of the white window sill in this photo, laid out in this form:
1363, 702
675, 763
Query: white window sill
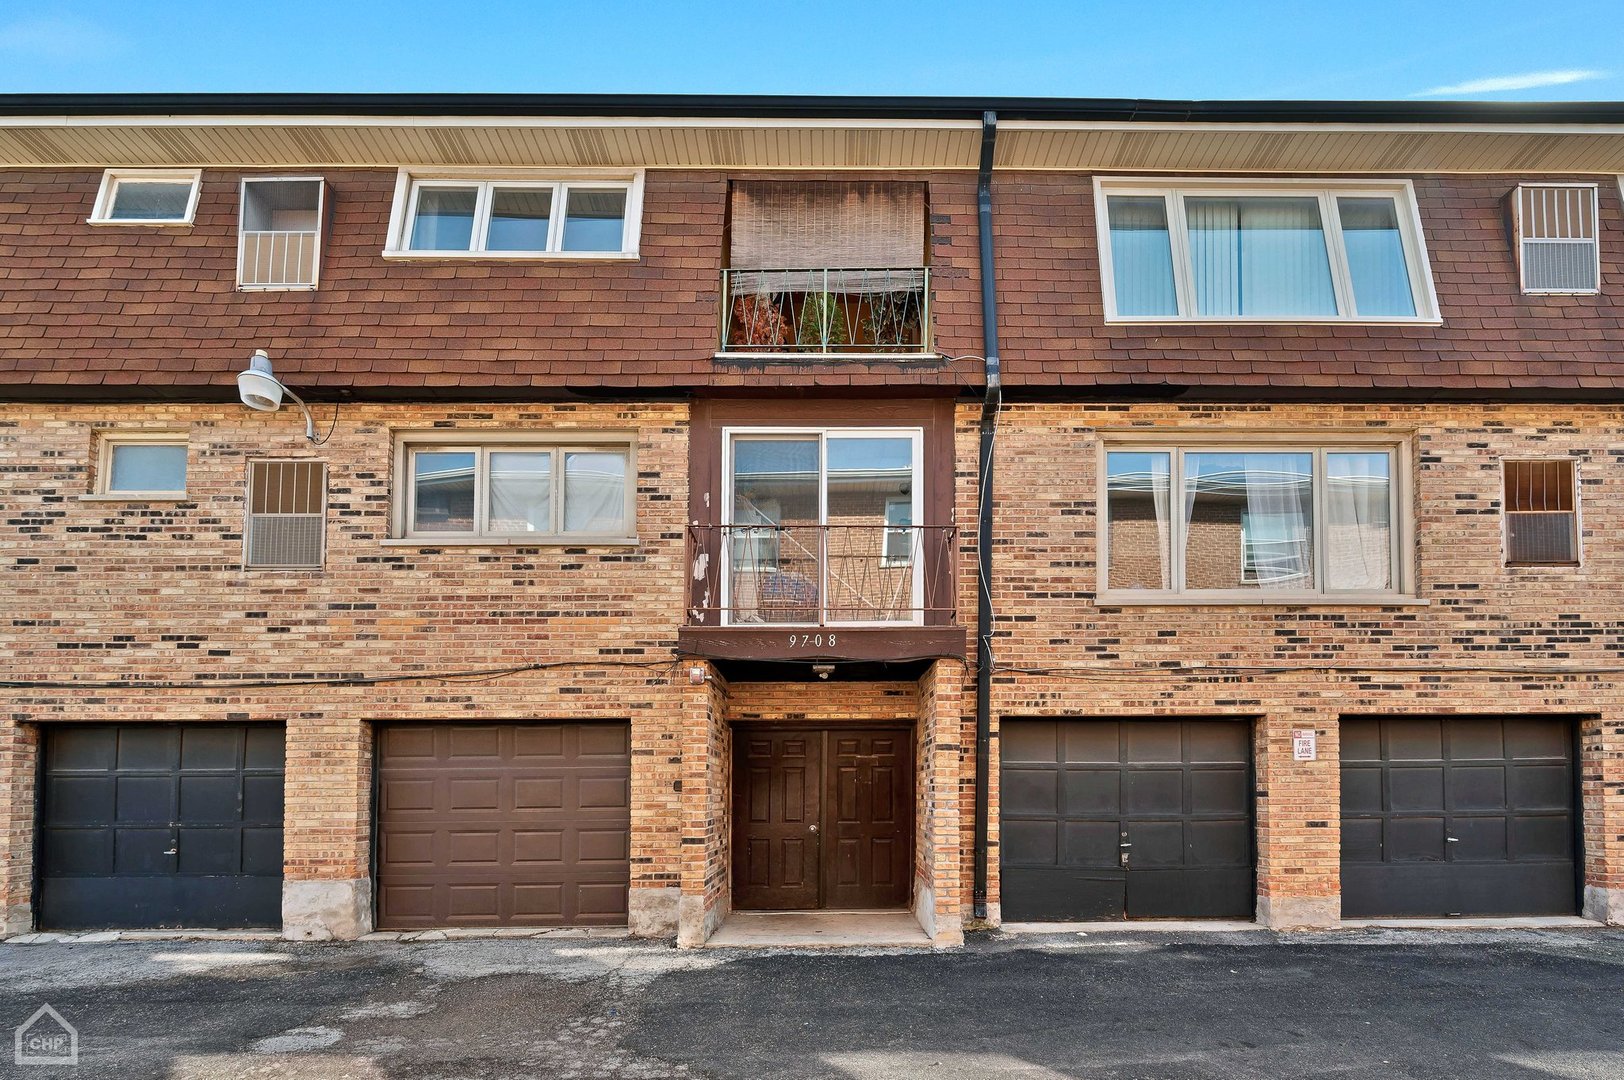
511, 256
1262, 320
510, 541
1108, 599
140, 222
137, 496
277, 288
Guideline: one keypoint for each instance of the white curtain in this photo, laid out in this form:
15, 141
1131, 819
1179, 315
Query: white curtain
1358, 522
1279, 518
595, 492
521, 492
1259, 256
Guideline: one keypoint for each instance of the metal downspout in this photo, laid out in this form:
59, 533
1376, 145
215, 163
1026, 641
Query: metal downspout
991, 403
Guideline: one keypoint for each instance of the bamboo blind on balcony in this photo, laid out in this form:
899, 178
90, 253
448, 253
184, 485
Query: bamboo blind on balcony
827, 224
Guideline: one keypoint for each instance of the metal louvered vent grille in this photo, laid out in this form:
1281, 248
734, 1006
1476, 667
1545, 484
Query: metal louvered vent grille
1541, 520
287, 510
1557, 238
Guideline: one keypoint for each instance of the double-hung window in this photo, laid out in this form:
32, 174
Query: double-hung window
1253, 523
819, 526
524, 216
513, 488
1262, 252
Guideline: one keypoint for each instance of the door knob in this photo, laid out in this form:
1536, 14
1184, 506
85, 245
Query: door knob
813, 828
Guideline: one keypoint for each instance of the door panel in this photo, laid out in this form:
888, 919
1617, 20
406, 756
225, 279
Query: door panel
161, 825
1108, 819
822, 819
524, 824
1458, 816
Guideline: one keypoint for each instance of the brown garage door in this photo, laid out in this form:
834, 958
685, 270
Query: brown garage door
1458, 816
503, 825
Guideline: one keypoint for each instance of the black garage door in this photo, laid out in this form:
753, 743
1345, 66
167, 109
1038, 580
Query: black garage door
1131, 819
1458, 816
161, 825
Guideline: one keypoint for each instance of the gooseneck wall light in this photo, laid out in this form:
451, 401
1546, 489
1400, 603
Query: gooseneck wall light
261, 390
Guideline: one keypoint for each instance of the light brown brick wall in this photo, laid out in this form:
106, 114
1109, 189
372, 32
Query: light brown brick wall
155, 591
1415, 660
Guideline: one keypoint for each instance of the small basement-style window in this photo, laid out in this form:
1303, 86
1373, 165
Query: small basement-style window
1262, 251
279, 238
1259, 523
518, 488
515, 218
286, 523
147, 197
1541, 512
135, 465
1557, 248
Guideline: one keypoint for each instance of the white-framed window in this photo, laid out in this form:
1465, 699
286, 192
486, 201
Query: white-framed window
147, 197
285, 523
818, 526
1269, 521
132, 465
1557, 246
1541, 508
279, 232
511, 486
518, 215
1262, 251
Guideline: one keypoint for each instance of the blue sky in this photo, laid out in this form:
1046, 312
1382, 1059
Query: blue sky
1482, 49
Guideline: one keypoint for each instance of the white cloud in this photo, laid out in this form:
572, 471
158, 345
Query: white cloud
1501, 83
56, 39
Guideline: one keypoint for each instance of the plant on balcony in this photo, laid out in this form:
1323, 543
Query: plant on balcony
893, 318
757, 322
822, 321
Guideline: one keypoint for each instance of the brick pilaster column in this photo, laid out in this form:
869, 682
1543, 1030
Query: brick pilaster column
19, 763
1601, 772
707, 760
327, 882
1299, 825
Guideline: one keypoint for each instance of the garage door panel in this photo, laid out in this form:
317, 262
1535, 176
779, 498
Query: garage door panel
82, 749
75, 800
210, 798
1361, 740
262, 851
1540, 787
1032, 791
1219, 791
1417, 789
1217, 743
403, 743
1485, 854
210, 748
1153, 791
1152, 742
1031, 842
1058, 895
1362, 788
151, 748
144, 799
1092, 791
141, 851
1478, 839
1415, 839
601, 901
1032, 740
1088, 743
1090, 843
1217, 893
1156, 843
1478, 787
1217, 843
503, 825
209, 851
263, 798
78, 851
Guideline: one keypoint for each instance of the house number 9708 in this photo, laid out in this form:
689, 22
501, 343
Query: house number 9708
811, 641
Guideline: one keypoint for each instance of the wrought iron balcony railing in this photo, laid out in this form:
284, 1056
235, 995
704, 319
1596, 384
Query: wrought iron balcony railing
826, 311
822, 575
277, 260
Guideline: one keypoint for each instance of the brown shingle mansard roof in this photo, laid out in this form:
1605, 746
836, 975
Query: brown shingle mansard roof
125, 312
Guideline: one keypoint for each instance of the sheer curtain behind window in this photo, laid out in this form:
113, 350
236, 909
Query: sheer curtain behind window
1259, 256
1280, 493
1358, 522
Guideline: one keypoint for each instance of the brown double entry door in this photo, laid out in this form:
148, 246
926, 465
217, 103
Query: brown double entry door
822, 818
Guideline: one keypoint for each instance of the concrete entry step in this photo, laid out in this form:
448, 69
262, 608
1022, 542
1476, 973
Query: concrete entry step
819, 929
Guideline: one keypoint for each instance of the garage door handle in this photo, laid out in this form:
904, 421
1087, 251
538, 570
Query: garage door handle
1124, 845
1453, 839
172, 851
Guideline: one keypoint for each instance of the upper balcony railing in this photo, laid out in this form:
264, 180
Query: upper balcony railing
822, 575
283, 259
826, 311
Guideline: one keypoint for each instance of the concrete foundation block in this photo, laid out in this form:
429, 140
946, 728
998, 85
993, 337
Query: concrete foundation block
1299, 912
695, 922
1604, 905
17, 919
326, 910
652, 913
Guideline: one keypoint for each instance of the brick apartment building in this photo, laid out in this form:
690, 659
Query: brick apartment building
640, 564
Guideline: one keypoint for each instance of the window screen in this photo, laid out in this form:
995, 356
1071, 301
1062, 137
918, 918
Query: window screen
287, 512
1557, 245
1541, 513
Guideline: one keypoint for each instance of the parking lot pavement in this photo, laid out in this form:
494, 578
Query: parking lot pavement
1536, 1005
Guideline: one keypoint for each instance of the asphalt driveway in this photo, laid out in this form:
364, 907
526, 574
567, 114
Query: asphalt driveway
1359, 1004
